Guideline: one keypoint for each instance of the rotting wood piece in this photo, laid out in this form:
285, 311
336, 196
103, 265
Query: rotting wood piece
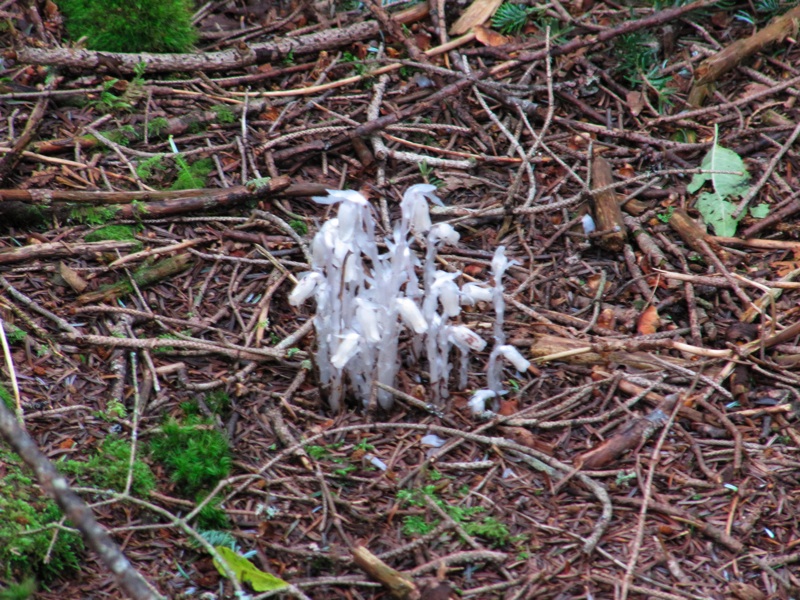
712, 68
607, 214
399, 585
692, 233
143, 277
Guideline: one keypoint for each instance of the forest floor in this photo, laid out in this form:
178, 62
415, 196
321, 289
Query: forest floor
651, 451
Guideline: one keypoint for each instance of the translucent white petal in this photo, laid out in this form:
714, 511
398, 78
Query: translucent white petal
448, 292
376, 462
477, 404
367, 315
347, 349
588, 224
349, 220
305, 288
499, 262
411, 315
432, 440
335, 196
465, 338
513, 356
444, 232
472, 293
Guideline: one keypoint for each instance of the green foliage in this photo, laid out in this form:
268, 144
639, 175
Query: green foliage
224, 114
111, 232
715, 206
759, 211
220, 538
7, 398
299, 226
19, 591
124, 26
218, 402
196, 455
109, 102
15, 334
665, 216
92, 215
245, 571
211, 516
488, 528
427, 175
148, 168
418, 525
511, 18
156, 127
192, 176
24, 508
108, 468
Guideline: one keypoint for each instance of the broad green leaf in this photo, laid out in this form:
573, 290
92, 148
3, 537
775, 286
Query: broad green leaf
246, 571
759, 211
715, 206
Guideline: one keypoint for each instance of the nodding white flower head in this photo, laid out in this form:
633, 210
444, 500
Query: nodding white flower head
477, 404
335, 196
472, 293
499, 262
305, 288
466, 339
367, 315
443, 232
513, 356
448, 292
411, 315
415, 206
588, 224
347, 349
351, 218
324, 242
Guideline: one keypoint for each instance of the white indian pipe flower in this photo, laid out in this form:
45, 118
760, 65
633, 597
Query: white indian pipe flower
367, 315
305, 288
415, 206
499, 262
347, 349
335, 196
350, 215
465, 338
477, 404
472, 293
324, 242
588, 224
376, 462
411, 315
432, 440
444, 232
513, 356
448, 292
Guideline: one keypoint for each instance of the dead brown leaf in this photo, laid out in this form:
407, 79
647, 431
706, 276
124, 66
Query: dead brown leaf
489, 37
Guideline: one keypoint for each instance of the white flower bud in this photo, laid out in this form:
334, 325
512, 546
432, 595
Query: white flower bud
499, 262
432, 440
448, 292
348, 348
477, 404
415, 206
588, 224
367, 316
513, 356
335, 196
443, 232
411, 315
472, 293
305, 288
465, 338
